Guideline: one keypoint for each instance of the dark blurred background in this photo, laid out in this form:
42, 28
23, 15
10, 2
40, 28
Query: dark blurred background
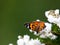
14, 13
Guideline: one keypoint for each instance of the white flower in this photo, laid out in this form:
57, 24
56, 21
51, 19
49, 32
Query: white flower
53, 16
20, 42
52, 36
26, 38
57, 11
19, 37
46, 14
37, 20
30, 30
48, 27
35, 42
10, 44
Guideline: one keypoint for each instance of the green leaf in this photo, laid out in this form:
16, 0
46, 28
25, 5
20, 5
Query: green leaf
55, 29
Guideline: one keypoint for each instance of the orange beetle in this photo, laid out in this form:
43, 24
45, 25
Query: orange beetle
35, 26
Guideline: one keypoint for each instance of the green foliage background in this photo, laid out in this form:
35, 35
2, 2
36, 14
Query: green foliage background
14, 13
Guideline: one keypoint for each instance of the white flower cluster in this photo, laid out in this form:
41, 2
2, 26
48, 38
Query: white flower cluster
53, 16
46, 32
25, 40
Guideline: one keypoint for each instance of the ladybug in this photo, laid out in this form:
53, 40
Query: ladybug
35, 26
